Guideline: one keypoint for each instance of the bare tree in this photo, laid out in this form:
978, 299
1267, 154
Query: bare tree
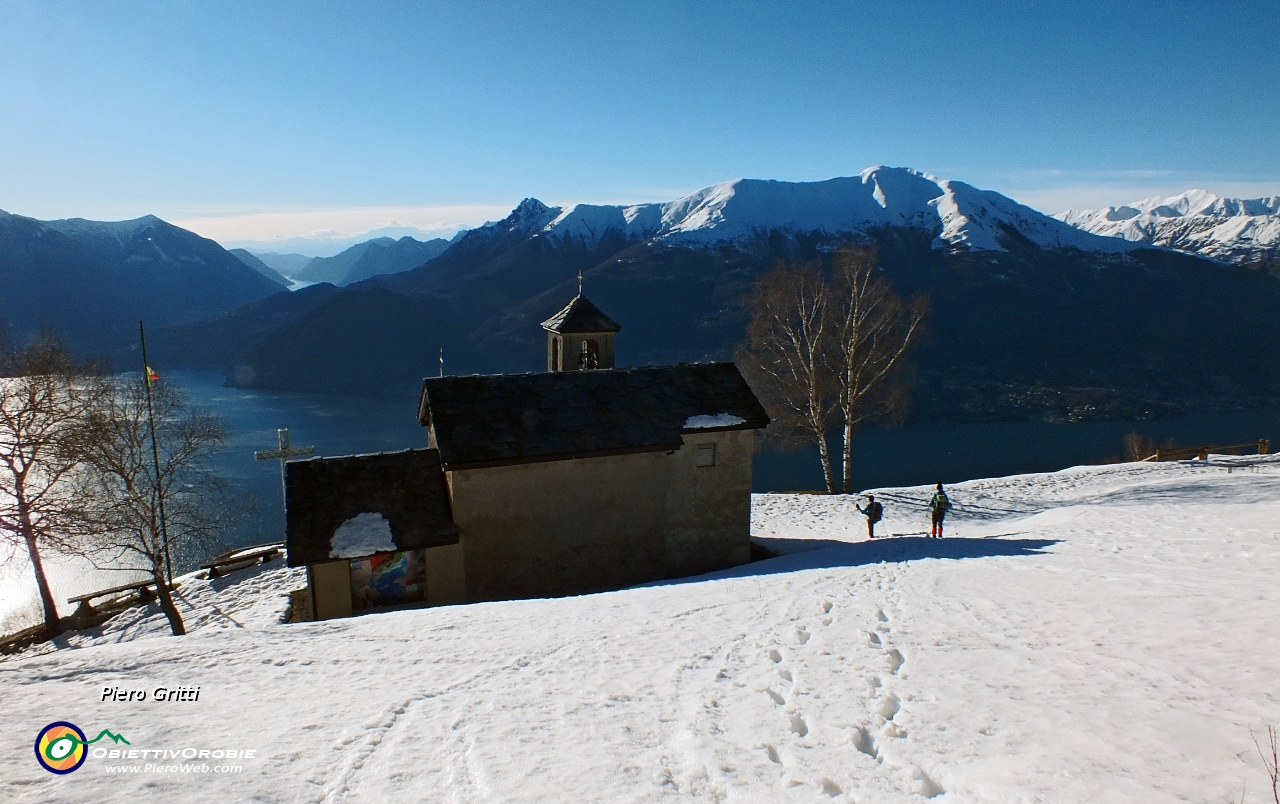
821, 350
142, 513
872, 328
786, 356
1270, 763
1138, 447
45, 429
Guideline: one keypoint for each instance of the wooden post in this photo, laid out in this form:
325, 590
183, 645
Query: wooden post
155, 455
1203, 453
1264, 446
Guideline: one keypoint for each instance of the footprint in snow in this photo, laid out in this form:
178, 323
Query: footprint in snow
888, 707
799, 726
925, 785
865, 743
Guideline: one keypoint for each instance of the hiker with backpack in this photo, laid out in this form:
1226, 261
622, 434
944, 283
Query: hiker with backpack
939, 505
873, 512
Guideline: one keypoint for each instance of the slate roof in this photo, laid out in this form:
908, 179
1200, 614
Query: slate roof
527, 418
580, 315
406, 487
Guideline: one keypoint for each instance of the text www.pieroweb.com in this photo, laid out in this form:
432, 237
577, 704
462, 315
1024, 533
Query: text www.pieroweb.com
184, 767
202, 763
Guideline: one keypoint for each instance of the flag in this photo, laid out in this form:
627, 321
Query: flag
151, 376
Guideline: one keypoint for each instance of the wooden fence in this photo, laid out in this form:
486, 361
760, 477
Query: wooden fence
1262, 447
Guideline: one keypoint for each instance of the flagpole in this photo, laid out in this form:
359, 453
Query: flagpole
155, 453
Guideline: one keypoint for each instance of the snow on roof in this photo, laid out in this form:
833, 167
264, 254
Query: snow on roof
362, 535
332, 503
702, 422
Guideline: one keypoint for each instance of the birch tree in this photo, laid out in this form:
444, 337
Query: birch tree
141, 513
872, 329
789, 341
823, 347
45, 430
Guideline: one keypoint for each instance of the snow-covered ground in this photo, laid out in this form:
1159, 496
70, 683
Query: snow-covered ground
1101, 634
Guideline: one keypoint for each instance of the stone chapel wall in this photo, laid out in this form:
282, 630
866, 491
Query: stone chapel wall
594, 524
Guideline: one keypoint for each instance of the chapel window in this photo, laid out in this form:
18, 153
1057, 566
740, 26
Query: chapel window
706, 455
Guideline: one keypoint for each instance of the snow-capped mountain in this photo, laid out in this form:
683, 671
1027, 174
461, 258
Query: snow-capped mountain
961, 216
1196, 221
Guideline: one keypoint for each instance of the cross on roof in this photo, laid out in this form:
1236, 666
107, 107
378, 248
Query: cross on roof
285, 451
283, 454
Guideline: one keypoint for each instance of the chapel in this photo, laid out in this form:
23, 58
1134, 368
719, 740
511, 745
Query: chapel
583, 478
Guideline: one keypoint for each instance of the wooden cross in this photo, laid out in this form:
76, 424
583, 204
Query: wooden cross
284, 453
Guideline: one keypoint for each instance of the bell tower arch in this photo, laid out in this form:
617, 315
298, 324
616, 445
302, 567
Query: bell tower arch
580, 337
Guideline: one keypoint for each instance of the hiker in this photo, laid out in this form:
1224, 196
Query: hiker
939, 505
873, 512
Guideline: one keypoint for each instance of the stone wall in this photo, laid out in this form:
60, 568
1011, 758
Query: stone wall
594, 524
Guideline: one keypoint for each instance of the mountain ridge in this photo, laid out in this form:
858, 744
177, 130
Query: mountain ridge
1019, 331
1196, 221
93, 280
251, 260
963, 216
375, 257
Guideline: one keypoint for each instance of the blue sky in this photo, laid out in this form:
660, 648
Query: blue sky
251, 121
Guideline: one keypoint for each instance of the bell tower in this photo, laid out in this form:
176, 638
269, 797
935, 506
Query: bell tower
580, 336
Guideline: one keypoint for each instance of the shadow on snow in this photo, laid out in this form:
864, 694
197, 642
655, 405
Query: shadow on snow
827, 554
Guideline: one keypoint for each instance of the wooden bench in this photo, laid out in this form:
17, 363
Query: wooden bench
242, 557
85, 609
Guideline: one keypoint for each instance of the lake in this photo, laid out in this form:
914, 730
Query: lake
908, 455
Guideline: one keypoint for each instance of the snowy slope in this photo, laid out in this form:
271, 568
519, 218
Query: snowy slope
1101, 634
1196, 221
961, 215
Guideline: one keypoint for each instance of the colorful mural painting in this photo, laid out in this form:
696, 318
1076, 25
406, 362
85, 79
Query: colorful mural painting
388, 579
